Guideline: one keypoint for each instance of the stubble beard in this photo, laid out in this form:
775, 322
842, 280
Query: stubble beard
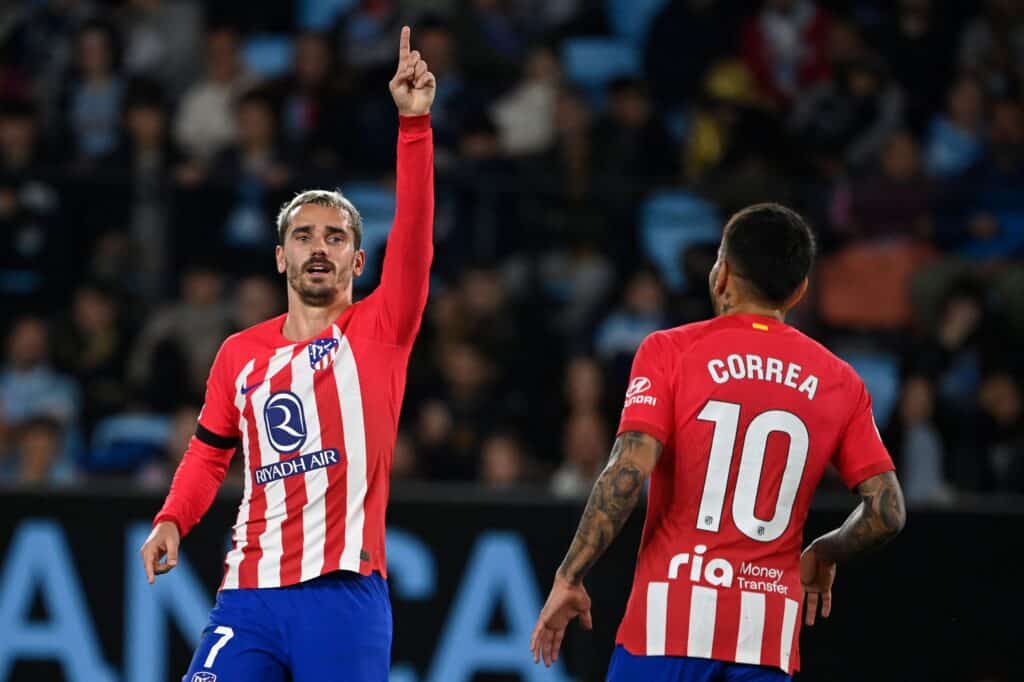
317, 295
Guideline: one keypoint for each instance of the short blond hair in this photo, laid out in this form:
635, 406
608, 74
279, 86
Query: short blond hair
321, 197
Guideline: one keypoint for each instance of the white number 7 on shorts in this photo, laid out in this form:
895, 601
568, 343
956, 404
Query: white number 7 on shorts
226, 634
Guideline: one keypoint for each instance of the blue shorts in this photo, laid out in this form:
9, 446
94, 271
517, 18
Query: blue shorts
626, 667
335, 627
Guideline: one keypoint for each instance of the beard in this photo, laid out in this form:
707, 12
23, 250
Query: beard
321, 291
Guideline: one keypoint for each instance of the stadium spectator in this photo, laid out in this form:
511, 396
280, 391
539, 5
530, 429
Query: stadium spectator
921, 49
585, 446
37, 457
525, 115
643, 310
205, 121
992, 45
256, 298
176, 347
785, 45
95, 91
162, 41
35, 254
316, 123
157, 473
708, 28
91, 342
503, 462
956, 137
916, 443
29, 385
849, 117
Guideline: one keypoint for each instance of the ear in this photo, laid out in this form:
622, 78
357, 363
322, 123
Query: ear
797, 295
722, 277
279, 257
359, 263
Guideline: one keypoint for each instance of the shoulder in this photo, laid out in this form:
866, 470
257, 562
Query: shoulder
244, 342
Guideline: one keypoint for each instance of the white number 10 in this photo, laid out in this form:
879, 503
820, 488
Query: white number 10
726, 417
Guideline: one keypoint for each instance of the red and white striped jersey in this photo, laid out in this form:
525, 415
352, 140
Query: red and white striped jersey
316, 420
750, 413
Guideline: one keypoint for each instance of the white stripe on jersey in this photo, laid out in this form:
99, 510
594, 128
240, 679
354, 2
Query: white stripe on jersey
351, 399
788, 627
269, 567
234, 557
314, 523
751, 635
703, 607
657, 617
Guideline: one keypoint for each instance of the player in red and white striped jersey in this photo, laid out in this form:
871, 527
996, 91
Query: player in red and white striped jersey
735, 420
311, 400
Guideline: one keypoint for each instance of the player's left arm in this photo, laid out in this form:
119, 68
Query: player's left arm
613, 498
405, 273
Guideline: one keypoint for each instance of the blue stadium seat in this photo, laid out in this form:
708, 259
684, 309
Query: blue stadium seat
881, 375
319, 15
593, 62
670, 221
122, 442
376, 204
268, 55
631, 19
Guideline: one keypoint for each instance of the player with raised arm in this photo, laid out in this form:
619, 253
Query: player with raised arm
311, 399
735, 420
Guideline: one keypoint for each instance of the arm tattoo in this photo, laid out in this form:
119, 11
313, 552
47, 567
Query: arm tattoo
877, 519
612, 500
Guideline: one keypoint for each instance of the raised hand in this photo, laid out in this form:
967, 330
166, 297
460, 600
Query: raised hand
413, 86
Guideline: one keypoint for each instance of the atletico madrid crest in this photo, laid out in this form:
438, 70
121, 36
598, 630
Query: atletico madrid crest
322, 352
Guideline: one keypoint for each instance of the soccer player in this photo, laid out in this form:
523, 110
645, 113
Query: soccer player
735, 420
311, 398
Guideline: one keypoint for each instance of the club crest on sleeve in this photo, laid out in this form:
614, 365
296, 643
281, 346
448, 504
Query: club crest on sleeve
322, 352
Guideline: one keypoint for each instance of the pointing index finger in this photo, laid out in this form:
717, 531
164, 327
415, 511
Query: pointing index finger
403, 43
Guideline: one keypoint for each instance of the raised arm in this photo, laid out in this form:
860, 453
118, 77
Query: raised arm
878, 518
410, 249
615, 495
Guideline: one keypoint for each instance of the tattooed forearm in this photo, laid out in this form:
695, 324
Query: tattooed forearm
877, 519
612, 500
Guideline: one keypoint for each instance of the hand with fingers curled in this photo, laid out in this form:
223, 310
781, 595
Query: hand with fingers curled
163, 541
817, 573
566, 601
413, 86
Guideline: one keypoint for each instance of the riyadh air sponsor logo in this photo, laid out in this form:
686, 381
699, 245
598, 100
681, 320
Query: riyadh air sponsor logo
286, 421
635, 393
296, 465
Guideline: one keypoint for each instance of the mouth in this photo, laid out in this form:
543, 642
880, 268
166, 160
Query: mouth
319, 268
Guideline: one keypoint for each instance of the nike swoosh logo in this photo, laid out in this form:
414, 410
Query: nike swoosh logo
246, 389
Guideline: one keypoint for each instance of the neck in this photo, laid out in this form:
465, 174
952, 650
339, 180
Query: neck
306, 321
748, 308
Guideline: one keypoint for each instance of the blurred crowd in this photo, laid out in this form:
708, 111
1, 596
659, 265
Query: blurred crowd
588, 152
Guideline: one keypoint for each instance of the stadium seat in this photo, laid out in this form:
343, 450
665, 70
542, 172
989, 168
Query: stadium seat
670, 221
319, 15
124, 441
631, 19
268, 55
376, 204
881, 375
593, 62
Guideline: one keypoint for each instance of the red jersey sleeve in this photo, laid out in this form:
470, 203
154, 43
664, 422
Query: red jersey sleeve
861, 453
405, 274
649, 405
206, 460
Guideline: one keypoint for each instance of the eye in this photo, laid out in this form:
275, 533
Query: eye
336, 239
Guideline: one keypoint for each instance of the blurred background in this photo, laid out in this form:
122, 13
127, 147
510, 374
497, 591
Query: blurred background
588, 152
